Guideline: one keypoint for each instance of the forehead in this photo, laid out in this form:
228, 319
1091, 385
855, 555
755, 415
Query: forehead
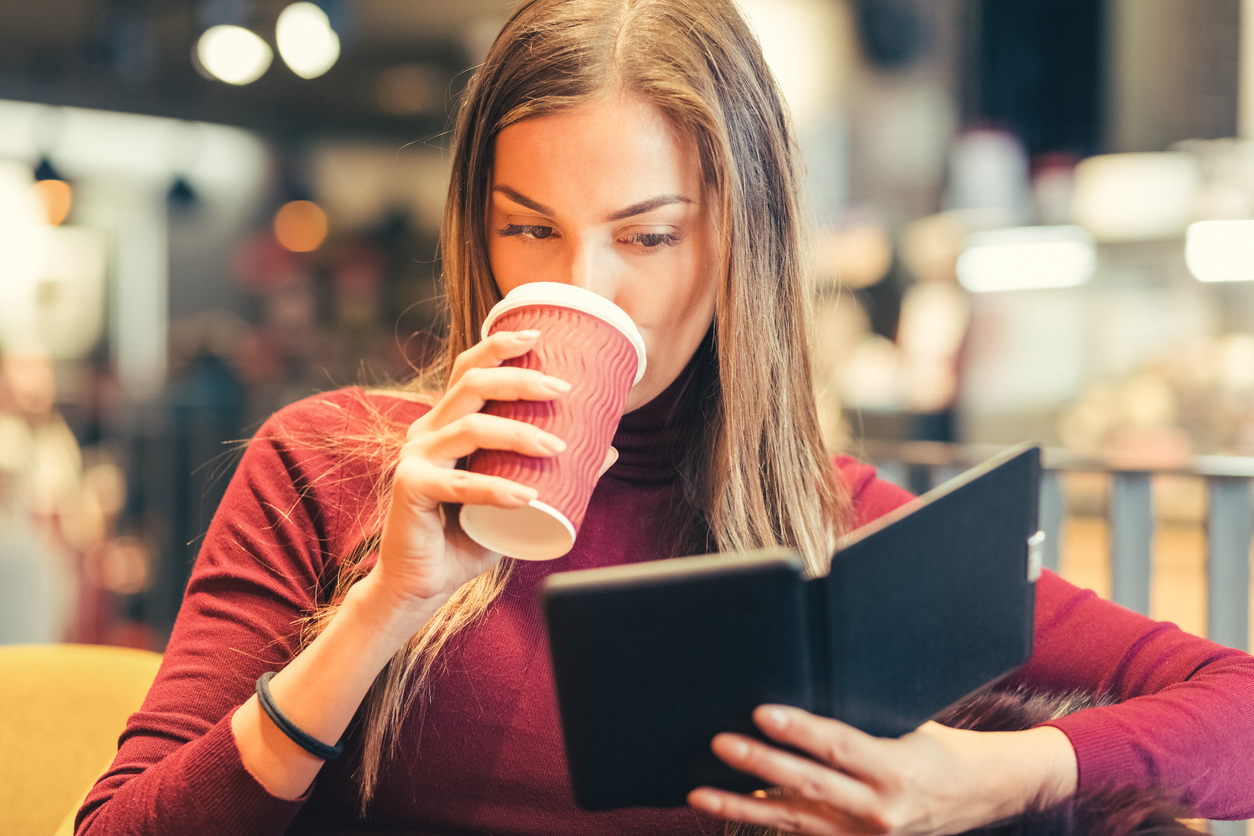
603, 154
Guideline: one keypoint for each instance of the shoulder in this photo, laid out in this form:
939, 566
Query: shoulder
314, 469
333, 443
870, 496
342, 413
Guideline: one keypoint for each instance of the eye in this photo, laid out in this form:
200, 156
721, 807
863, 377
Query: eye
653, 239
525, 231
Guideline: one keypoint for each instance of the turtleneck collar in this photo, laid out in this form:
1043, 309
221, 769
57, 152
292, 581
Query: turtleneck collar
653, 439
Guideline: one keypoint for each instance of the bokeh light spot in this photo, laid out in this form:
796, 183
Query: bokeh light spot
306, 40
300, 226
54, 196
233, 54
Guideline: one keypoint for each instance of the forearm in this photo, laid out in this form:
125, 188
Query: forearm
1011, 771
322, 687
1183, 718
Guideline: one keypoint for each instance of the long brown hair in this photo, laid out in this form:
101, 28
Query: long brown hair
760, 476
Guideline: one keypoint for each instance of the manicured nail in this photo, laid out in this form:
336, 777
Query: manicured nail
706, 800
552, 443
556, 384
523, 494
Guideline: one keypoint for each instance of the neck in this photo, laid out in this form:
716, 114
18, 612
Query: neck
653, 440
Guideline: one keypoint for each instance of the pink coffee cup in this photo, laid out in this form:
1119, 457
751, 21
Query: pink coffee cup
591, 343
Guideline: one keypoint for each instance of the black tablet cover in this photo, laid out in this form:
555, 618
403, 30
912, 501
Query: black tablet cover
921, 607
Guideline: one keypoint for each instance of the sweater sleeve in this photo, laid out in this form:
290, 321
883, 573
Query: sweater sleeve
1185, 713
266, 553
1184, 717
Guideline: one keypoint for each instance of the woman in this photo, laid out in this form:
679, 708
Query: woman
638, 149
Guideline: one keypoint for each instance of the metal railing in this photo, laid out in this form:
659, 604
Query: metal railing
1228, 522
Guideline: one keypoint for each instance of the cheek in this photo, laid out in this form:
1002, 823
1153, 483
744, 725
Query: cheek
707, 263
702, 272
697, 283
677, 306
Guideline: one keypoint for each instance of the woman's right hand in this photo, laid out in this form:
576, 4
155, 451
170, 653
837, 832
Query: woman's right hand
424, 556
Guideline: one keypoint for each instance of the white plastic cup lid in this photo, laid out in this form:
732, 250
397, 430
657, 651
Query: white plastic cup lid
576, 298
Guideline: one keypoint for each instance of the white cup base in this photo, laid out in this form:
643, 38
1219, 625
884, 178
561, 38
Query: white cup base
534, 531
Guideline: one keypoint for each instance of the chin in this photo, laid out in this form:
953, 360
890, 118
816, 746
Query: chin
640, 394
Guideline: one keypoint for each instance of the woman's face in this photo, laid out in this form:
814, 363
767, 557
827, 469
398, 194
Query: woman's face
609, 197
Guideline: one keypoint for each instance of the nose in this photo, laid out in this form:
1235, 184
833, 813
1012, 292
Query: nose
590, 265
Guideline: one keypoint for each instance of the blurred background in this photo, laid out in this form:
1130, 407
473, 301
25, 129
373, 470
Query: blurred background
1035, 221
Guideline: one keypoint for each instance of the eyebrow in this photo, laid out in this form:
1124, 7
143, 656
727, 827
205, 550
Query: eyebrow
522, 200
631, 211
648, 206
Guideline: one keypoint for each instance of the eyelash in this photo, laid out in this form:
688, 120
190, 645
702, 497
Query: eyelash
525, 230
649, 240
654, 239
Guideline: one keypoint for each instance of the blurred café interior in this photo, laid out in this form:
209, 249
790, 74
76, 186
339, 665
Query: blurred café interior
1033, 220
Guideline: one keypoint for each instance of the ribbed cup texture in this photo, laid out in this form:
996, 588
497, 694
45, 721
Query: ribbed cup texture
600, 364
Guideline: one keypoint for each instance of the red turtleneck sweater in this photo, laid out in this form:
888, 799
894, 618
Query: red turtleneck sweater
487, 757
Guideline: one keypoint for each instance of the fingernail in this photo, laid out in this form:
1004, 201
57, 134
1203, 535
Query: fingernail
523, 494
737, 748
557, 384
705, 799
552, 443
526, 336
775, 717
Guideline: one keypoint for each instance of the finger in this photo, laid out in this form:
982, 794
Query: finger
830, 741
505, 383
810, 780
611, 456
493, 350
478, 431
423, 486
793, 815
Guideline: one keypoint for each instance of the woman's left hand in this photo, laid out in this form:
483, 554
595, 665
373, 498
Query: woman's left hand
935, 780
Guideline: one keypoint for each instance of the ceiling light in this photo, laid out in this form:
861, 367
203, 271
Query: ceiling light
306, 40
1220, 251
1027, 258
55, 197
300, 226
233, 54
53, 191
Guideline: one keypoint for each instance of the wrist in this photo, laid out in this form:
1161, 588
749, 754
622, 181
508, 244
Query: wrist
1033, 767
1061, 771
995, 776
322, 687
373, 600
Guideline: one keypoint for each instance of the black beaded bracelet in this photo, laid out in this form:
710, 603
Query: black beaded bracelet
311, 745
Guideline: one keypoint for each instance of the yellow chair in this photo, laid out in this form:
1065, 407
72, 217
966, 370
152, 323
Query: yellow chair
62, 707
